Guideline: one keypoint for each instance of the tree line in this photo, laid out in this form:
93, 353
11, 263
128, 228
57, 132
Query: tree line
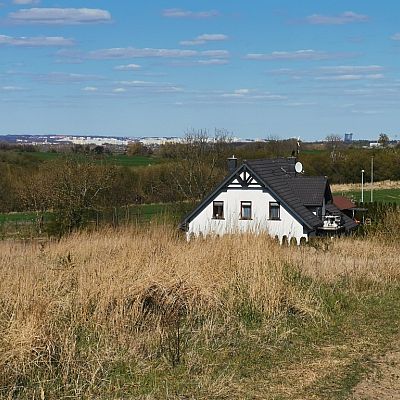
75, 184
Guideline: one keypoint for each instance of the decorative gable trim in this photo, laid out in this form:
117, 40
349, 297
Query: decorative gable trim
222, 186
244, 179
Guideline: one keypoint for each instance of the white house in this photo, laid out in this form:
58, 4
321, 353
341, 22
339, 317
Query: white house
271, 195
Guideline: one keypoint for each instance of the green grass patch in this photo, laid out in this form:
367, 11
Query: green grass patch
42, 155
120, 160
131, 161
134, 213
18, 217
379, 195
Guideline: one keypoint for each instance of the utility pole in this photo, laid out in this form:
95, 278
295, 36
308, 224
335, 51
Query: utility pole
362, 186
372, 179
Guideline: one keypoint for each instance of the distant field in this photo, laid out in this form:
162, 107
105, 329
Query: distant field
120, 160
17, 217
142, 212
380, 195
41, 155
313, 151
136, 161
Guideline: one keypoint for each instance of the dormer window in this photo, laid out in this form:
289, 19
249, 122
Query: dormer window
218, 210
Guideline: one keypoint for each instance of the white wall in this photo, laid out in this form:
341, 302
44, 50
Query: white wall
204, 224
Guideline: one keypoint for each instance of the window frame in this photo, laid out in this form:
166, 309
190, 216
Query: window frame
277, 206
214, 216
250, 205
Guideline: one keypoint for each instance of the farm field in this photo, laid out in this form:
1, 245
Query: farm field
147, 211
119, 160
25, 224
379, 195
143, 314
17, 217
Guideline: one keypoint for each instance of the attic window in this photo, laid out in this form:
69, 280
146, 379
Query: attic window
245, 210
274, 210
218, 210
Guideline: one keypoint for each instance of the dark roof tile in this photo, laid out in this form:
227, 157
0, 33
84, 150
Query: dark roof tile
279, 174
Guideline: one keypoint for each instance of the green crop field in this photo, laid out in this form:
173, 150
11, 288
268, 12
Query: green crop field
41, 155
17, 217
380, 196
134, 161
142, 212
119, 160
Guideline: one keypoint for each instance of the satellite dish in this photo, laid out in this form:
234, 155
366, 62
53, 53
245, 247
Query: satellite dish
298, 167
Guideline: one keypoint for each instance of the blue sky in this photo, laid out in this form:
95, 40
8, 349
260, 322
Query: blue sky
257, 68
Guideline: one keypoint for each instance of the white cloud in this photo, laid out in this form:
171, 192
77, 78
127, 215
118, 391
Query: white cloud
351, 69
207, 57
153, 86
242, 91
213, 61
60, 16
332, 73
193, 42
299, 104
213, 37
119, 90
298, 55
38, 41
90, 89
215, 53
367, 112
129, 67
374, 76
350, 77
203, 39
341, 19
396, 36
25, 2
180, 13
12, 88
131, 52
136, 83
252, 95
62, 77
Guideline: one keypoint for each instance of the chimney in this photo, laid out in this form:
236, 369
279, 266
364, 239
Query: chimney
232, 164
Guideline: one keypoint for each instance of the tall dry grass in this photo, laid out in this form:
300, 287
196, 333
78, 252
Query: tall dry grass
72, 311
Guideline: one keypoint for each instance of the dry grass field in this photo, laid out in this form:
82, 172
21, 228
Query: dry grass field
122, 314
351, 187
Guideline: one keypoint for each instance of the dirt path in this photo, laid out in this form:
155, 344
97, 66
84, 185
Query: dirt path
384, 382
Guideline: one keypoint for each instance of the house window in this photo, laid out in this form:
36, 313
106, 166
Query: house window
245, 210
274, 210
218, 210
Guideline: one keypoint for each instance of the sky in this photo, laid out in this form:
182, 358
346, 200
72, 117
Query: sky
255, 68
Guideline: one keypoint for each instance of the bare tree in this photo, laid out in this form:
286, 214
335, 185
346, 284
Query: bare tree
71, 188
333, 141
383, 139
200, 161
